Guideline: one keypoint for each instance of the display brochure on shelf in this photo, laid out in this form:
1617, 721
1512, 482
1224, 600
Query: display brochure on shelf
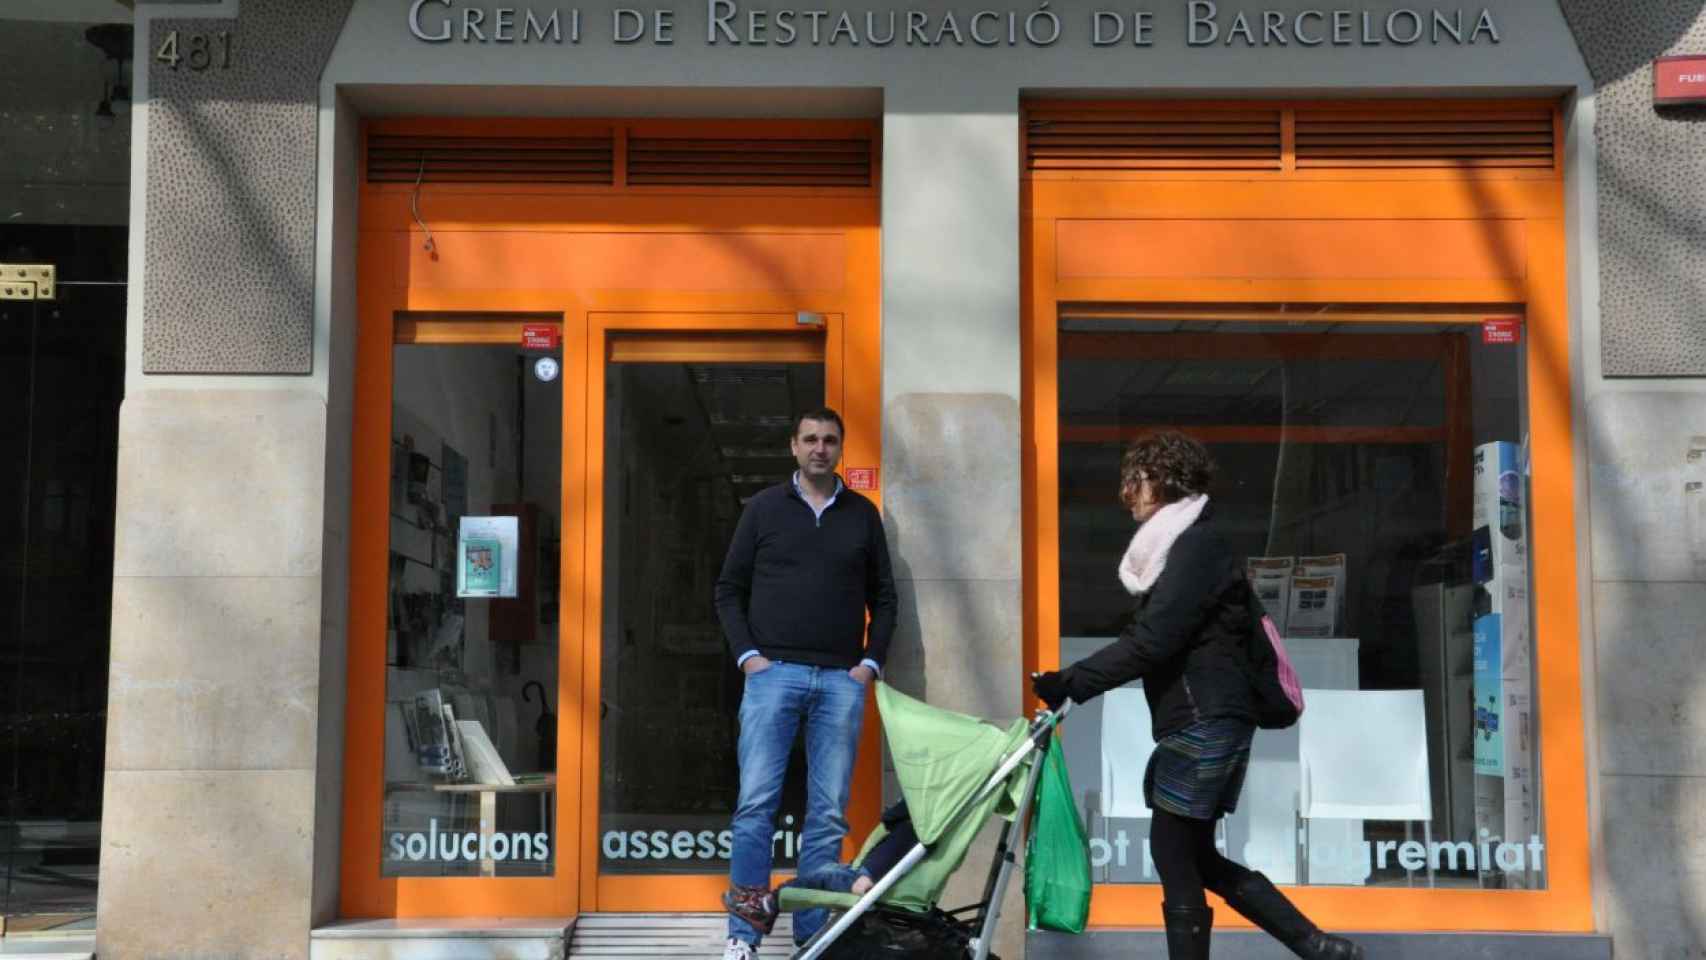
485, 765
1505, 791
458, 753
1271, 579
434, 741
487, 551
1489, 693
1314, 607
1331, 565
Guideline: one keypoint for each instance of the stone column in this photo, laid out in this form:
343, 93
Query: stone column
220, 827
951, 373
208, 832
1645, 433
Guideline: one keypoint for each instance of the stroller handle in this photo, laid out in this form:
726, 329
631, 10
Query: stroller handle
1045, 721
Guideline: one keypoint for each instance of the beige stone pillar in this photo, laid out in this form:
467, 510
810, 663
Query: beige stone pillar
221, 814
951, 469
213, 716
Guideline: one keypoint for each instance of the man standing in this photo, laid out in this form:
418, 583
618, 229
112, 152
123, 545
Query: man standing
809, 558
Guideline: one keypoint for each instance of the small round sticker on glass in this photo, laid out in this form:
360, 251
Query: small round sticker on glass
546, 369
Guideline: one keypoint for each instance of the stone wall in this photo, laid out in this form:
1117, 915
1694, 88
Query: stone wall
1645, 435
232, 169
1652, 186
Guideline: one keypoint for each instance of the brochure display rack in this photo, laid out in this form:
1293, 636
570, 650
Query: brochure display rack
1505, 792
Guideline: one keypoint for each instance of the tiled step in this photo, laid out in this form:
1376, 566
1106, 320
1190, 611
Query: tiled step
495, 939
48, 947
678, 936
688, 936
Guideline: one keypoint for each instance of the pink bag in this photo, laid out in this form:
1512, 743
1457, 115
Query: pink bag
1287, 673
1278, 693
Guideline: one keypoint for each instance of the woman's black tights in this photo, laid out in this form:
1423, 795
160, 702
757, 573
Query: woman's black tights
1185, 857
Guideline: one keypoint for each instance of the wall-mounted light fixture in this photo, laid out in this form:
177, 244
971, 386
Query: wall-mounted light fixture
116, 41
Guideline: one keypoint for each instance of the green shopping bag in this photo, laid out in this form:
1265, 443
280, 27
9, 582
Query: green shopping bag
1057, 862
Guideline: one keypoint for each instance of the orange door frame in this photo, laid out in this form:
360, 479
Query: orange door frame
595, 259
1154, 239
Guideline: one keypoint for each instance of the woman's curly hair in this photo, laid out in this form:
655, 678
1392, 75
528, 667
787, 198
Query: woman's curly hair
1176, 465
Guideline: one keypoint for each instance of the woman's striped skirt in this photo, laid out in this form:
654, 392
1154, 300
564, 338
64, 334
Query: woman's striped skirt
1198, 772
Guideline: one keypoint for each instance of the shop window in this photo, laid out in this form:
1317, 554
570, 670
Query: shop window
1374, 474
471, 642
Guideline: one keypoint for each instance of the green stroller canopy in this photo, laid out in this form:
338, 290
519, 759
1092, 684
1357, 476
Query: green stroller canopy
941, 760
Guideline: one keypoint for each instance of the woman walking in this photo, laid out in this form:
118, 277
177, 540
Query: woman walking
1194, 612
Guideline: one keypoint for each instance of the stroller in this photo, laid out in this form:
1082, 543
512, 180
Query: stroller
954, 771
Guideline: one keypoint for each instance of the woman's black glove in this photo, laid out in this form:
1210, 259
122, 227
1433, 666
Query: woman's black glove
1050, 688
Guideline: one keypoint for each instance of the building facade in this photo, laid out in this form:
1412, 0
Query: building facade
458, 333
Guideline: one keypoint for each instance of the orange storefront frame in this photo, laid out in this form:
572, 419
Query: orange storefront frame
688, 265
1146, 240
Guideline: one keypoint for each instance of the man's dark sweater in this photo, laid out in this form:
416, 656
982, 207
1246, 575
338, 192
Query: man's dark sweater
796, 587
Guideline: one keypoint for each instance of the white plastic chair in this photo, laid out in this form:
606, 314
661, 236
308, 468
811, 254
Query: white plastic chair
1363, 754
1126, 746
1127, 743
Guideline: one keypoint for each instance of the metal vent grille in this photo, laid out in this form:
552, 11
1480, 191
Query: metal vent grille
749, 162
402, 159
1339, 139
1220, 140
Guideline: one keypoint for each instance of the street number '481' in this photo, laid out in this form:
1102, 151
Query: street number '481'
198, 51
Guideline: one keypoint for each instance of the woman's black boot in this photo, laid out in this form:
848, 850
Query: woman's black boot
1188, 931
1260, 901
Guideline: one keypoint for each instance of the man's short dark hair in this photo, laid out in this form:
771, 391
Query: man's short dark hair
822, 415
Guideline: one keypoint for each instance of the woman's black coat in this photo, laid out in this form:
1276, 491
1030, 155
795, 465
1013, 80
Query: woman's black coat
1186, 639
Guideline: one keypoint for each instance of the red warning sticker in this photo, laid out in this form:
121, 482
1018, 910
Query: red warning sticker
1504, 330
541, 336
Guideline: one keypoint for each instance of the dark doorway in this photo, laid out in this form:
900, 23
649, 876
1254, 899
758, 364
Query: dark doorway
61, 383
687, 444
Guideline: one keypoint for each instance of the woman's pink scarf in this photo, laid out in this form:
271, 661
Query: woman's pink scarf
1147, 556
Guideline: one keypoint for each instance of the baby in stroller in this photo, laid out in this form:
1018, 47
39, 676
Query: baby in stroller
856, 878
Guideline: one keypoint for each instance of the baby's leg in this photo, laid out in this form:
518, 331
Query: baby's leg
839, 878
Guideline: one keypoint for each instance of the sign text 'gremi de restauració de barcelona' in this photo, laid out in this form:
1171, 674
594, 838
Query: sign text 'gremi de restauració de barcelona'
731, 23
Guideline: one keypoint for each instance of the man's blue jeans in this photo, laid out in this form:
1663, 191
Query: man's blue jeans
830, 704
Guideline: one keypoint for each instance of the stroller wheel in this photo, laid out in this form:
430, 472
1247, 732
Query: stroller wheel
876, 937
903, 936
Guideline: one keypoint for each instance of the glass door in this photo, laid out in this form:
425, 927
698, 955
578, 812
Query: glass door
694, 424
61, 382
18, 326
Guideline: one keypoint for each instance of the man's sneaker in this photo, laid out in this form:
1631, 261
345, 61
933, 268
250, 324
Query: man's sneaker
739, 950
755, 905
